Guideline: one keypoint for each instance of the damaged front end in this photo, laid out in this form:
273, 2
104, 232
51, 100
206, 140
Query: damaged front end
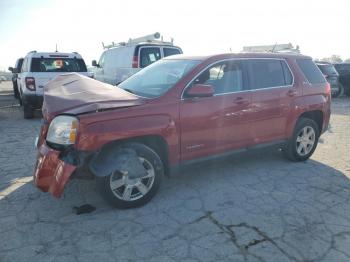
57, 157
51, 173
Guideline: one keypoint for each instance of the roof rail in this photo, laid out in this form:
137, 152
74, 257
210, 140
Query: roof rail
322, 62
152, 38
276, 48
34, 51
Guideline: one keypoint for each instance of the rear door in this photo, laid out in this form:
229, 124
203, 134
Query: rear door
21, 75
273, 93
149, 55
44, 69
213, 125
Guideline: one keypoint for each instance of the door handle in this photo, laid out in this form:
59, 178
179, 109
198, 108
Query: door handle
292, 92
240, 100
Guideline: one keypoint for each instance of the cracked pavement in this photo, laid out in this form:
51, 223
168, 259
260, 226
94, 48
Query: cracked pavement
255, 206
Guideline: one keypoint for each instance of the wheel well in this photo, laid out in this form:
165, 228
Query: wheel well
316, 115
155, 142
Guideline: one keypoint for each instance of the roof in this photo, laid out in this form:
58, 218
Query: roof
238, 55
53, 54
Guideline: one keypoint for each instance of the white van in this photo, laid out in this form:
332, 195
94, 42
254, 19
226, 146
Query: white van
37, 69
119, 61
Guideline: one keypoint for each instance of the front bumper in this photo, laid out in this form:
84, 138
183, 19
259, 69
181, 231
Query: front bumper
51, 173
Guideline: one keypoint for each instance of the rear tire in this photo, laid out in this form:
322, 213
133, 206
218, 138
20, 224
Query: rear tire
28, 111
304, 140
339, 91
346, 90
120, 182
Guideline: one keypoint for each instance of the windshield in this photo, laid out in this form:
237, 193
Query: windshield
156, 79
58, 65
328, 69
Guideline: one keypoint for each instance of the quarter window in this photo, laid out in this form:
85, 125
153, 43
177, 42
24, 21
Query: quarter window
225, 77
264, 73
311, 71
149, 55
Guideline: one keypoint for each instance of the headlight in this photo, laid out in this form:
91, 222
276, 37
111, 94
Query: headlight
63, 130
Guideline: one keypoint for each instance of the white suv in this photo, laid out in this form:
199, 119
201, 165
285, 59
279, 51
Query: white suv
119, 61
37, 69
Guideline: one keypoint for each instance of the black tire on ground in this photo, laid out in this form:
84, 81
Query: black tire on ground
28, 111
291, 149
143, 151
20, 98
15, 90
339, 91
346, 90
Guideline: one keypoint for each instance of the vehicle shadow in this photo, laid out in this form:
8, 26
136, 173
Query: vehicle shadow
216, 184
298, 209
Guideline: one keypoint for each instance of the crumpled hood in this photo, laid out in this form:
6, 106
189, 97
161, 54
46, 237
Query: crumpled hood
76, 94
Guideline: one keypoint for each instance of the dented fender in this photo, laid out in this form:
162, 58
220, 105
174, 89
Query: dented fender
112, 158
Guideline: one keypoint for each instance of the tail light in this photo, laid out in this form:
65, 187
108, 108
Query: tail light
135, 62
328, 89
30, 83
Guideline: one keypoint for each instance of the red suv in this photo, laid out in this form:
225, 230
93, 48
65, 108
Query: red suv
176, 111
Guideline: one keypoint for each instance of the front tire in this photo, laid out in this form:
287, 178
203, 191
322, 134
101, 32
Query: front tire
15, 90
122, 192
304, 140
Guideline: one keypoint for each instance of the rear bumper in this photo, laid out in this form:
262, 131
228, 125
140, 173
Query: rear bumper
51, 173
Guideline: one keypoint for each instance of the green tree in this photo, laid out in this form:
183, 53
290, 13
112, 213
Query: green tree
333, 59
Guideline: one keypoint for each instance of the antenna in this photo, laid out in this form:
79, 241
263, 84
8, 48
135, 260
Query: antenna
274, 47
56, 48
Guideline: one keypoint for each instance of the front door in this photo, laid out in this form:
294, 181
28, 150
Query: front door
214, 125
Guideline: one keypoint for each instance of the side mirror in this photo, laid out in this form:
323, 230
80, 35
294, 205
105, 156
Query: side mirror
200, 90
10, 69
16, 70
94, 63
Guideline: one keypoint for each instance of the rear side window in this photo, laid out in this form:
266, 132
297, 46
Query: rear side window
58, 65
288, 77
149, 55
171, 51
311, 71
264, 73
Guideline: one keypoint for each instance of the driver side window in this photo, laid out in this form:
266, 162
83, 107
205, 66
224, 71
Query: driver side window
224, 77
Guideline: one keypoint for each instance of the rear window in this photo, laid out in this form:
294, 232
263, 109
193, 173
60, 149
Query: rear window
171, 51
311, 72
149, 55
343, 68
328, 69
266, 73
58, 65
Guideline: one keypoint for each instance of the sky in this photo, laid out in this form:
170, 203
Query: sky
320, 28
